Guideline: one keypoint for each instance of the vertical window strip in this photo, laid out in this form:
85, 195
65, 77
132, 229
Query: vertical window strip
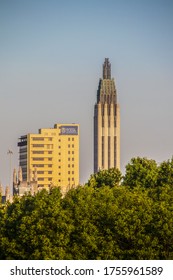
109, 151
115, 149
102, 151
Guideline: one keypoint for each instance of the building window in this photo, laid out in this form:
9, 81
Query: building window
68, 139
38, 165
49, 152
72, 179
72, 145
109, 151
59, 147
115, 122
22, 157
68, 172
68, 179
73, 139
59, 174
68, 165
38, 152
73, 159
49, 165
41, 179
59, 160
68, 146
72, 172
59, 154
49, 179
102, 151
59, 166
24, 170
39, 159
59, 180
68, 159
38, 145
109, 121
73, 152
38, 138
49, 172
68, 152
40, 172
115, 150
72, 165
23, 150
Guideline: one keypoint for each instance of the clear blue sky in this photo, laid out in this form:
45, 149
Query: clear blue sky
51, 55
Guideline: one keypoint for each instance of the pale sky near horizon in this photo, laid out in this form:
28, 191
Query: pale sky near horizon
51, 56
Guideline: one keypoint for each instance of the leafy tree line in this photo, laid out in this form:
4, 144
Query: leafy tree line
110, 217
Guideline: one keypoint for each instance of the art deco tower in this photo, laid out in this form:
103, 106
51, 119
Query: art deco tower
106, 123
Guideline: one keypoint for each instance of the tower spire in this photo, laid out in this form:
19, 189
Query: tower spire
106, 123
106, 69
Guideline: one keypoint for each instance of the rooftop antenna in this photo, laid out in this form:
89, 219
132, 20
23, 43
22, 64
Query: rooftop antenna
10, 153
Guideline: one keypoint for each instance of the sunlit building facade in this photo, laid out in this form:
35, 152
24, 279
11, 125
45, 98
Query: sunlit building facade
54, 152
106, 123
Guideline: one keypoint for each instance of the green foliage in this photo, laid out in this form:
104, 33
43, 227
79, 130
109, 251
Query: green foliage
100, 220
162, 226
35, 227
110, 177
141, 172
109, 223
165, 173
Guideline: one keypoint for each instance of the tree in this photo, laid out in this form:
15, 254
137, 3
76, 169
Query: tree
141, 172
110, 177
36, 227
165, 173
162, 225
100, 220
111, 223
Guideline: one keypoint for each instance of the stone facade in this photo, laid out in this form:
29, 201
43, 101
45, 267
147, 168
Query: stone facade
106, 123
21, 187
5, 195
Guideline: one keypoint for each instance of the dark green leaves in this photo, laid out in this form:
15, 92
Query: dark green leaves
110, 177
103, 219
141, 172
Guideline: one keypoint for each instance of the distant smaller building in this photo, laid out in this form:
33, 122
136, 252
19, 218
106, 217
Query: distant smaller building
5, 196
21, 187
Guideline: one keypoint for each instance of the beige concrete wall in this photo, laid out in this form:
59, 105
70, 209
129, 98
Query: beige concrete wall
105, 126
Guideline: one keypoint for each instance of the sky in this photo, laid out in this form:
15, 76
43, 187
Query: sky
51, 56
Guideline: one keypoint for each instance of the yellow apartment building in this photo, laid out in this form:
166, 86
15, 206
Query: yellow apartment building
54, 152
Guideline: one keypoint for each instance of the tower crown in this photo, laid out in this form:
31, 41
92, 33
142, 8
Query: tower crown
106, 69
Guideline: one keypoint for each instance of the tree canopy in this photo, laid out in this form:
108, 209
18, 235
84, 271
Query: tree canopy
110, 177
104, 219
141, 172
